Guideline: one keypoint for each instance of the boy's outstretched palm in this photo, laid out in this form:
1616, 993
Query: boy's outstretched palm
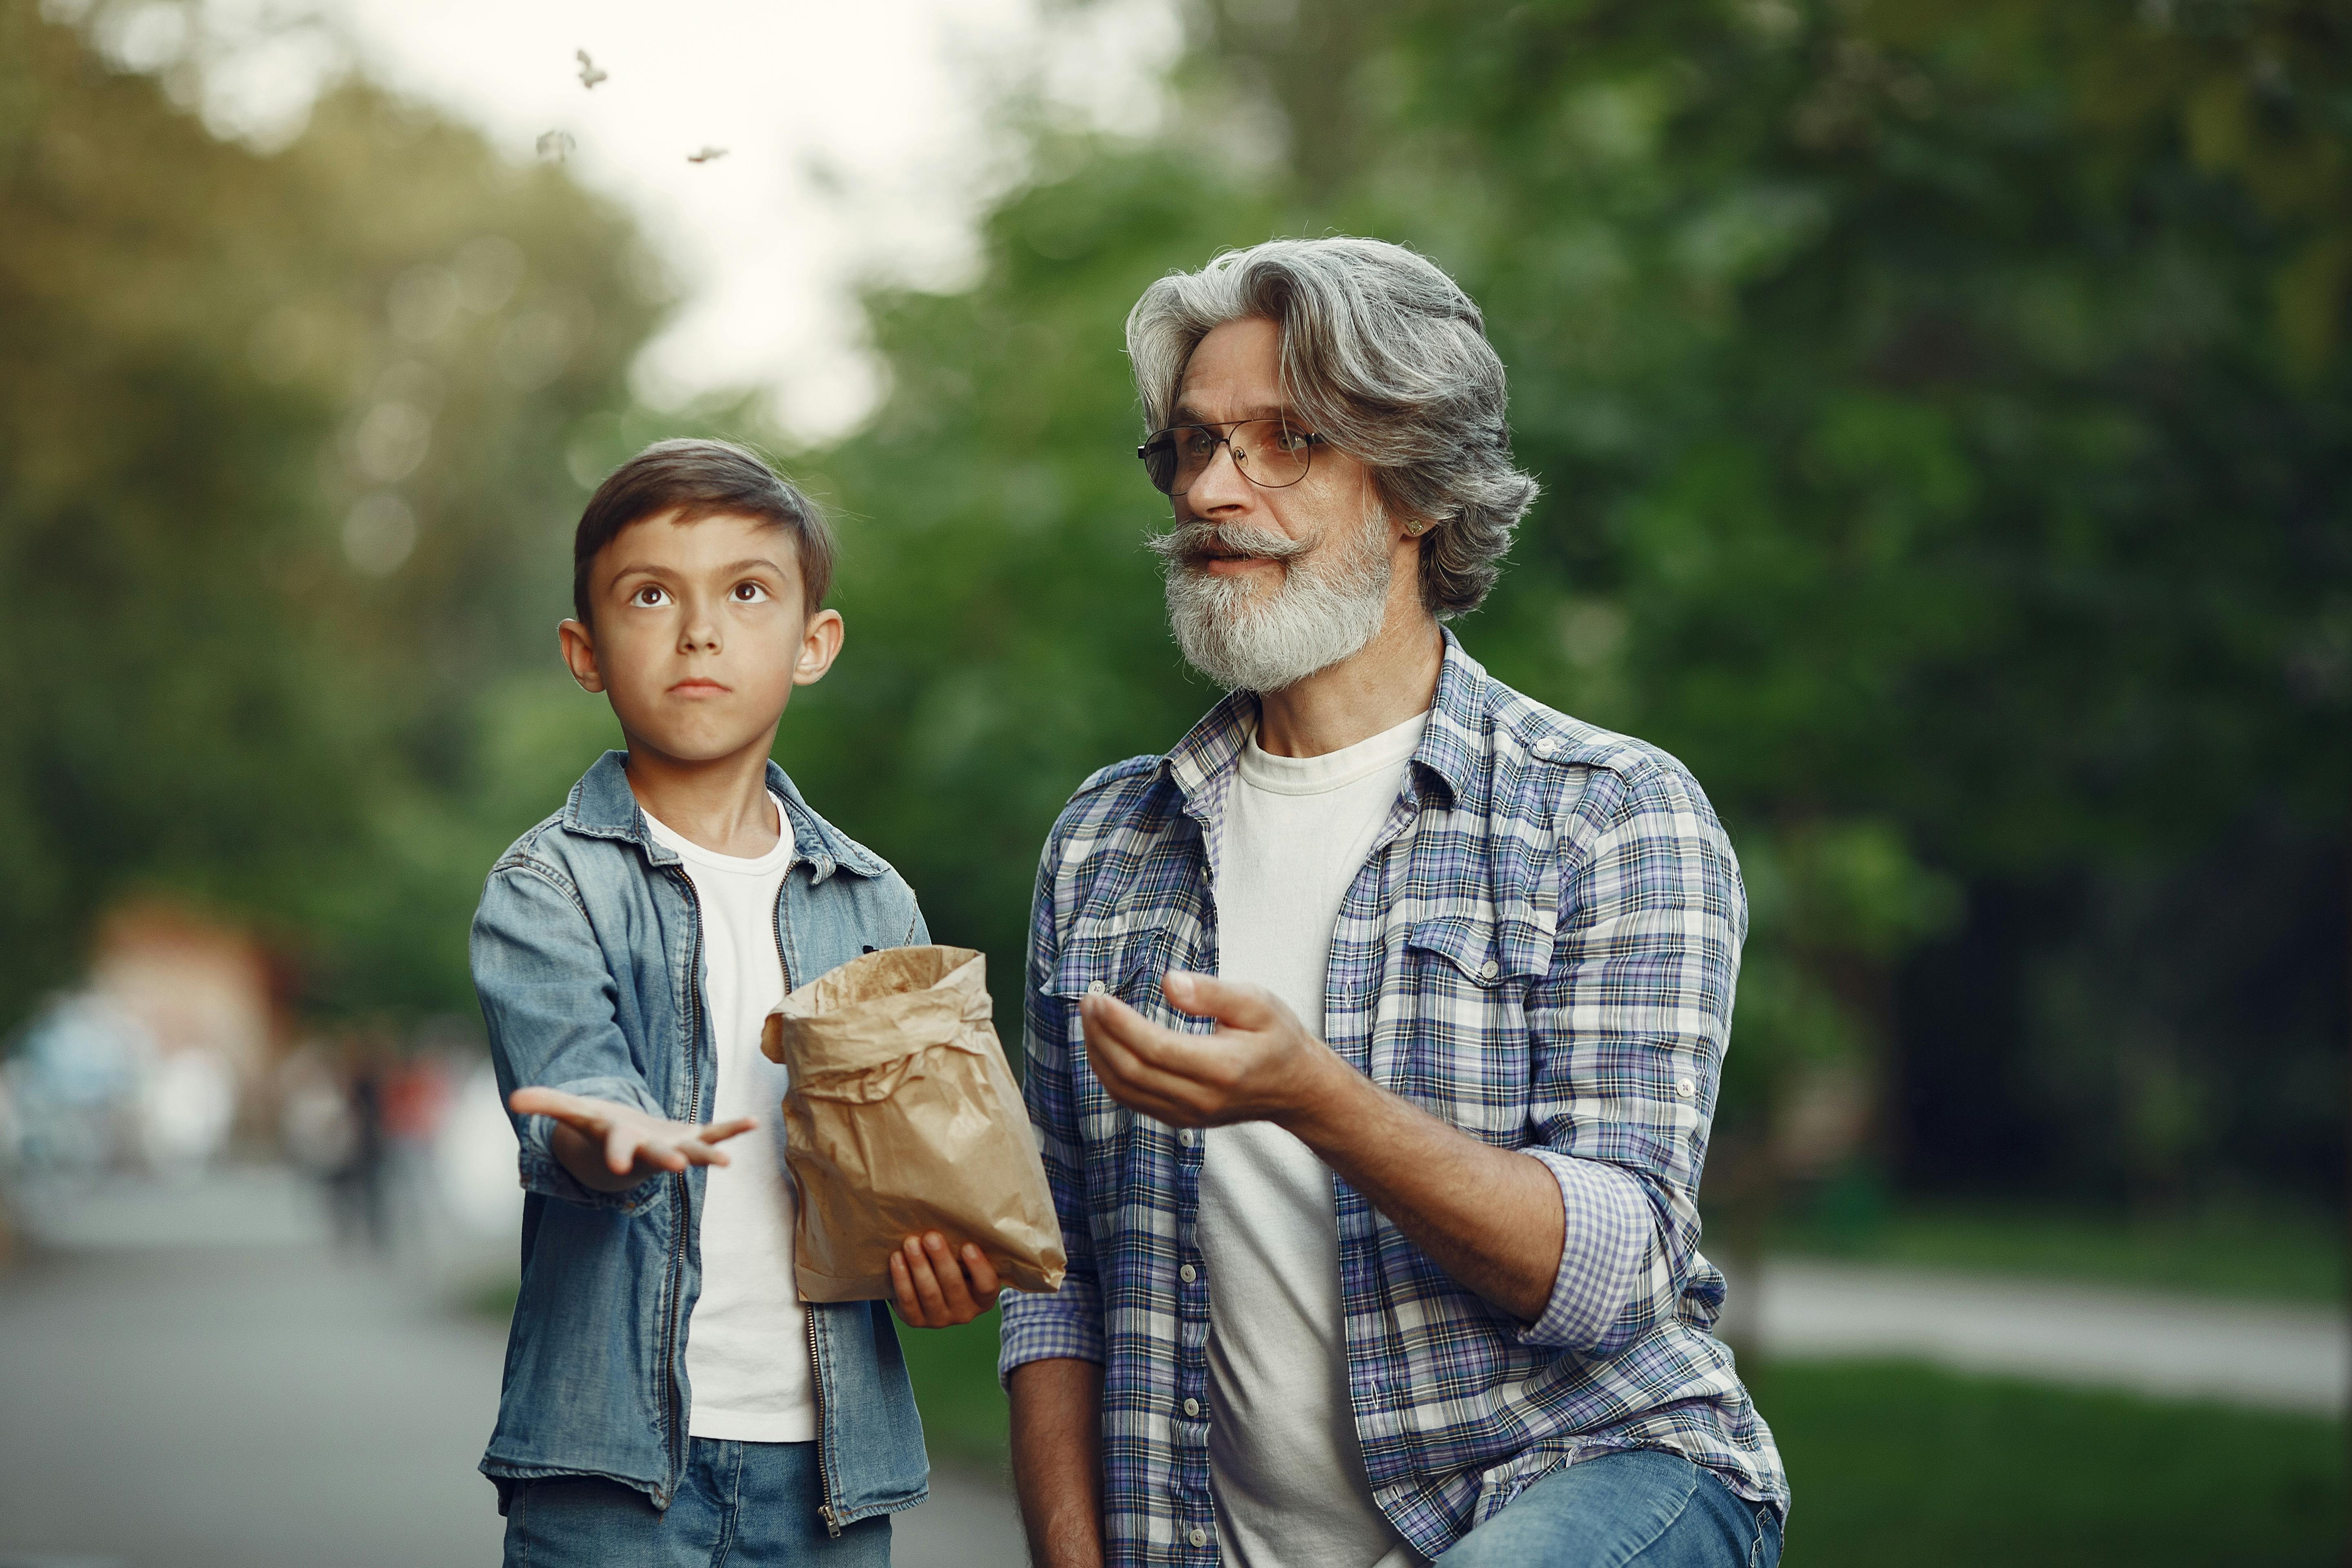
611, 1147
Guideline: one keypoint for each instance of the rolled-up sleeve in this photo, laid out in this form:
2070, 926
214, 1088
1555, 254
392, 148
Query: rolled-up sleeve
1627, 1034
548, 1000
1069, 1322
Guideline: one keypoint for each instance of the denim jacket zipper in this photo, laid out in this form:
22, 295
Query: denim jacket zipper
825, 1508
679, 1441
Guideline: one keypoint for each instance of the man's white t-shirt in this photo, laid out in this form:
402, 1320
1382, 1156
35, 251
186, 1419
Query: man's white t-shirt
1284, 1460
747, 1356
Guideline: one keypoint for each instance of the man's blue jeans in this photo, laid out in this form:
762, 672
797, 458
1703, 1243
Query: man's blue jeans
1643, 1507
744, 1505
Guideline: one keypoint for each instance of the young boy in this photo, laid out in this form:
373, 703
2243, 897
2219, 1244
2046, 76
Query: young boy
668, 1399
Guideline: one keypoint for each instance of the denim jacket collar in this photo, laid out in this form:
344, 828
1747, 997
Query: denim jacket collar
602, 806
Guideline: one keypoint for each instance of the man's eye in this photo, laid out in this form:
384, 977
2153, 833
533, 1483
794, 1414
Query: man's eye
1196, 443
1293, 440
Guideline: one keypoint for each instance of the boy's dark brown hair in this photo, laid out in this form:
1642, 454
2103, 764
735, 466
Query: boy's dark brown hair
695, 480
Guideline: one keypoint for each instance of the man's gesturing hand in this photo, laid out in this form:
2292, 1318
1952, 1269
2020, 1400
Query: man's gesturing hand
611, 1147
1262, 1064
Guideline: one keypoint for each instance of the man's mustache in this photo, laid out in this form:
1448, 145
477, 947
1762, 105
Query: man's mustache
1189, 543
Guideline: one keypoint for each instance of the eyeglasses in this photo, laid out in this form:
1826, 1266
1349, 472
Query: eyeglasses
1268, 452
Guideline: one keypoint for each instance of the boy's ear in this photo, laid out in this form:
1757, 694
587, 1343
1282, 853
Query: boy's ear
821, 642
579, 644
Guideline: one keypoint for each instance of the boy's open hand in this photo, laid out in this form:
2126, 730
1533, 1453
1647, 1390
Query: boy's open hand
931, 1282
611, 1147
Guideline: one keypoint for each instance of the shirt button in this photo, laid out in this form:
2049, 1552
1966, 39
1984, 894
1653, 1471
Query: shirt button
1489, 970
1685, 1088
1095, 988
1543, 748
1192, 1407
1188, 1274
1198, 1537
1184, 1136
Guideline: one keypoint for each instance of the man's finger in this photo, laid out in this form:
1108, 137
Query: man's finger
1158, 1096
1188, 1057
1233, 1006
948, 1271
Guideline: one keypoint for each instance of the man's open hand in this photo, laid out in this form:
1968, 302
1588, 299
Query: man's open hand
611, 1147
929, 1280
1262, 1064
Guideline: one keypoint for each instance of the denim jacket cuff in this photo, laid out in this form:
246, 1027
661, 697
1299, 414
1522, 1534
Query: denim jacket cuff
542, 1172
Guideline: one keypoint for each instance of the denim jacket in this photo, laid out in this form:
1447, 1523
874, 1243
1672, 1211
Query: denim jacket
587, 954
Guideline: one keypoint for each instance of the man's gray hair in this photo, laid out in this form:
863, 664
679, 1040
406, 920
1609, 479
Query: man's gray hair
1384, 356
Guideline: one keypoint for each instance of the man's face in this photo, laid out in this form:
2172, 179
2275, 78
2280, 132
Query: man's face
1236, 373
699, 634
1266, 586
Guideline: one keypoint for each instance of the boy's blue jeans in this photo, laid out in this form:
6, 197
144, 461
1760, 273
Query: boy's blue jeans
1640, 1509
745, 1505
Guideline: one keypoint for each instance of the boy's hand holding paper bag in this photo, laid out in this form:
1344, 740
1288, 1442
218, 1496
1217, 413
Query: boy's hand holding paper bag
903, 1127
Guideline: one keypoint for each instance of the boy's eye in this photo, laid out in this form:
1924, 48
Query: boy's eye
649, 597
750, 593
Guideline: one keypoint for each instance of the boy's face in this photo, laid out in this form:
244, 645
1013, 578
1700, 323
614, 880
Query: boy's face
699, 634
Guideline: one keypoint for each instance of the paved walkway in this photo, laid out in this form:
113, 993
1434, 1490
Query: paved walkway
196, 1380
2282, 1357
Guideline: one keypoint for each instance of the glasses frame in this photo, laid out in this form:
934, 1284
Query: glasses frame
1221, 433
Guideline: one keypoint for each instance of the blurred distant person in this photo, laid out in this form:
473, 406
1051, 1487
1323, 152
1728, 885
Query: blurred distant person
1400, 1262
666, 1388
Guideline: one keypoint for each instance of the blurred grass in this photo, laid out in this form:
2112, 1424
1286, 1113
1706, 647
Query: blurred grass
955, 1385
2260, 1254
1894, 1462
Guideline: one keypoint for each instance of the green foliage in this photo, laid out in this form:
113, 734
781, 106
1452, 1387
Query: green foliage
233, 380
1942, 456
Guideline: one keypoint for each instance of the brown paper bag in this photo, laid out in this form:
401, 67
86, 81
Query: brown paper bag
902, 1117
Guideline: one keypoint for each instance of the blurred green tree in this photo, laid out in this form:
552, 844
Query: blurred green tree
1943, 423
282, 494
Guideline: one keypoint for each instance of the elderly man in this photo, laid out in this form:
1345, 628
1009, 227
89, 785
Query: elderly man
1374, 1030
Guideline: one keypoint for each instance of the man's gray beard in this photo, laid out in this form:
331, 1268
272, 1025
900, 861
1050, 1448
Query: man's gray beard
1242, 636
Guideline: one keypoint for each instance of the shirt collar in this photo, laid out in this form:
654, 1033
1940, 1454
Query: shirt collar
603, 806
1202, 763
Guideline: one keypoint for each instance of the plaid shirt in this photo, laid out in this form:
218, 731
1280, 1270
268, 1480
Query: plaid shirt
1540, 949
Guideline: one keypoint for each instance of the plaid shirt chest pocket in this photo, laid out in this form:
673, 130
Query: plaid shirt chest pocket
1458, 1044
1111, 952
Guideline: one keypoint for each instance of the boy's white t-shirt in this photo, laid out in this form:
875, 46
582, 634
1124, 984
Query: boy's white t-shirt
747, 1355
1284, 1464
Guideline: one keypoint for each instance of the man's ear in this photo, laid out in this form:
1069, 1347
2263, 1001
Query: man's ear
579, 644
821, 642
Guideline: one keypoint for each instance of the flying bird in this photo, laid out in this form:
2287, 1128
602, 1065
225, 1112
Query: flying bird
555, 146
588, 75
706, 155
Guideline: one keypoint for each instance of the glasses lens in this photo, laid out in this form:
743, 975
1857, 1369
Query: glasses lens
1271, 453
1160, 462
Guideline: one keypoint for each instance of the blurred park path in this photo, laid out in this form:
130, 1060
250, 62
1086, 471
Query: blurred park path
194, 1378
2179, 1346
